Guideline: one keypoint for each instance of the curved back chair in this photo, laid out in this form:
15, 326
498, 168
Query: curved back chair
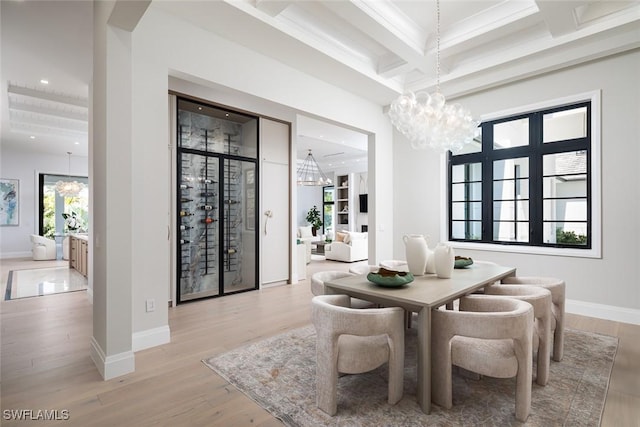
540, 300
557, 289
43, 248
490, 336
318, 279
354, 341
317, 286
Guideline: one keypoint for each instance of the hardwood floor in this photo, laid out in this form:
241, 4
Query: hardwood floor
45, 360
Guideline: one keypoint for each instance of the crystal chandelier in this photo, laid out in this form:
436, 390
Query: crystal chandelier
310, 173
428, 121
69, 188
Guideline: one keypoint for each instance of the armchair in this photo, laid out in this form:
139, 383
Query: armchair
43, 248
490, 336
353, 341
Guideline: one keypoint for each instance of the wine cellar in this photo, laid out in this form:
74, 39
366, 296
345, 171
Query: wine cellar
217, 165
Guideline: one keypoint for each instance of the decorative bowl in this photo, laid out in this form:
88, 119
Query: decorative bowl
390, 278
462, 262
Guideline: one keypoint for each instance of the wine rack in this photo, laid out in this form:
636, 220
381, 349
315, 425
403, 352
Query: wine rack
212, 200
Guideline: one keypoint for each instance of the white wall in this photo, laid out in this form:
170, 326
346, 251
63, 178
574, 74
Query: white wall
25, 166
606, 287
164, 46
308, 196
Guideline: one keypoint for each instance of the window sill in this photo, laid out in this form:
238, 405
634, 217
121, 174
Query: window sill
531, 250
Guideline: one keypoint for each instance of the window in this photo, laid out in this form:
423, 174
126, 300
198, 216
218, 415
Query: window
52, 206
328, 208
528, 181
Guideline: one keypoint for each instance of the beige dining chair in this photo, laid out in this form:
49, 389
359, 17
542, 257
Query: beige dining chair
317, 286
540, 300
488, 335
354, 341
557, 288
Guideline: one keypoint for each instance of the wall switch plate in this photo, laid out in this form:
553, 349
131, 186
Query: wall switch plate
151, 305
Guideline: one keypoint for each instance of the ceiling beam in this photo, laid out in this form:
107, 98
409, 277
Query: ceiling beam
559, 16
60, 98
127, 13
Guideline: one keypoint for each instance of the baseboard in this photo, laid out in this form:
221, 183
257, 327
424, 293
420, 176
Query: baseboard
151, 338
9, 255
111, 366
602, 311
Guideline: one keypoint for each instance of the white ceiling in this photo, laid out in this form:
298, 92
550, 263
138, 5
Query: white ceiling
376, 49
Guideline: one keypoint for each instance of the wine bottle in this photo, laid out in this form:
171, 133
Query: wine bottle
231, 251
185, 227
207, 194
185, 213
208, 181
185, 186
207, 207
182, 241
209, 220
185, 200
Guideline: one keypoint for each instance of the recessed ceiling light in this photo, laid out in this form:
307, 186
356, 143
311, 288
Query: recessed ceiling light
76, 143
226, 115
44, 81
199, 108
32, 137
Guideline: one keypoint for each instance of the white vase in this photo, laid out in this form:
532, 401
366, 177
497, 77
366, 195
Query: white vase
416, 253
444, 260
431, 261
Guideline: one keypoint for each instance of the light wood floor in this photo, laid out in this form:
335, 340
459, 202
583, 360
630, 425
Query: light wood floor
45, 360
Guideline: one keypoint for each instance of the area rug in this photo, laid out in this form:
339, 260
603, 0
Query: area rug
43, 281
279, 374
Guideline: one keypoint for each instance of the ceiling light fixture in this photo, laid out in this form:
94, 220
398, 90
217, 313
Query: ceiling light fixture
69, 188
310, 173
44, 81
427, 121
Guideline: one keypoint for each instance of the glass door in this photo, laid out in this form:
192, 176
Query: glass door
217, 188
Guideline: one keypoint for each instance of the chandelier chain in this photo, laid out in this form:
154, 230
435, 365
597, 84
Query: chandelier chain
438, 45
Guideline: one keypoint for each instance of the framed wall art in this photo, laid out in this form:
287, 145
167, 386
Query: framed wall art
9, 202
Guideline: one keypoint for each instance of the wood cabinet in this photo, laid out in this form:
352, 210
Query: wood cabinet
79, 254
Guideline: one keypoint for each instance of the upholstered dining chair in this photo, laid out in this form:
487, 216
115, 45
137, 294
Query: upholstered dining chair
488, 335
317, 286
540, 300
557, 289
354, 341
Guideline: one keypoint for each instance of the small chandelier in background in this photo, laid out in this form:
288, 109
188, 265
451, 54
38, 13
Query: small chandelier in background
69, 188
310, 173
428, 121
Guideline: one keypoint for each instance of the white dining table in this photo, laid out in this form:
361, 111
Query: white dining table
425, 293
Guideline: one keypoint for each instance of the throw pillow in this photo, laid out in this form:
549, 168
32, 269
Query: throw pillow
340, 236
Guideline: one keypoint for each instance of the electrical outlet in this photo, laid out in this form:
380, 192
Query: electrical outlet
151, 305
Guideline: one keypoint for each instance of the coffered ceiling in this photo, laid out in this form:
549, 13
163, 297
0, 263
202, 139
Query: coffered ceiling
374, 48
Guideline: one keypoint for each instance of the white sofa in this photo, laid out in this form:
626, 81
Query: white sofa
43, 248
353, 247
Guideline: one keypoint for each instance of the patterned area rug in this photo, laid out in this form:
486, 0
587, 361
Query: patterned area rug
279, 374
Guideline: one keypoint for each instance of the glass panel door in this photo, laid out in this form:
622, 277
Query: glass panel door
199, 226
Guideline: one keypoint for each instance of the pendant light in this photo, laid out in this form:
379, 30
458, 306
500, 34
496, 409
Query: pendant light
69, 188
310, 173
428, 121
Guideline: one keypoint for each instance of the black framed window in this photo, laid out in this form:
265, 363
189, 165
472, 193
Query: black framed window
526, 181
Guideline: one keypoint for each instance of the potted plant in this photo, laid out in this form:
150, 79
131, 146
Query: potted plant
313, 218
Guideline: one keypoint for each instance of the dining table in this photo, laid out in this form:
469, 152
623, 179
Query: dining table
425, 293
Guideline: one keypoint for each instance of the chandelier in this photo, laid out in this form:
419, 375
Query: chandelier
69, 188
310, 173
428, 121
